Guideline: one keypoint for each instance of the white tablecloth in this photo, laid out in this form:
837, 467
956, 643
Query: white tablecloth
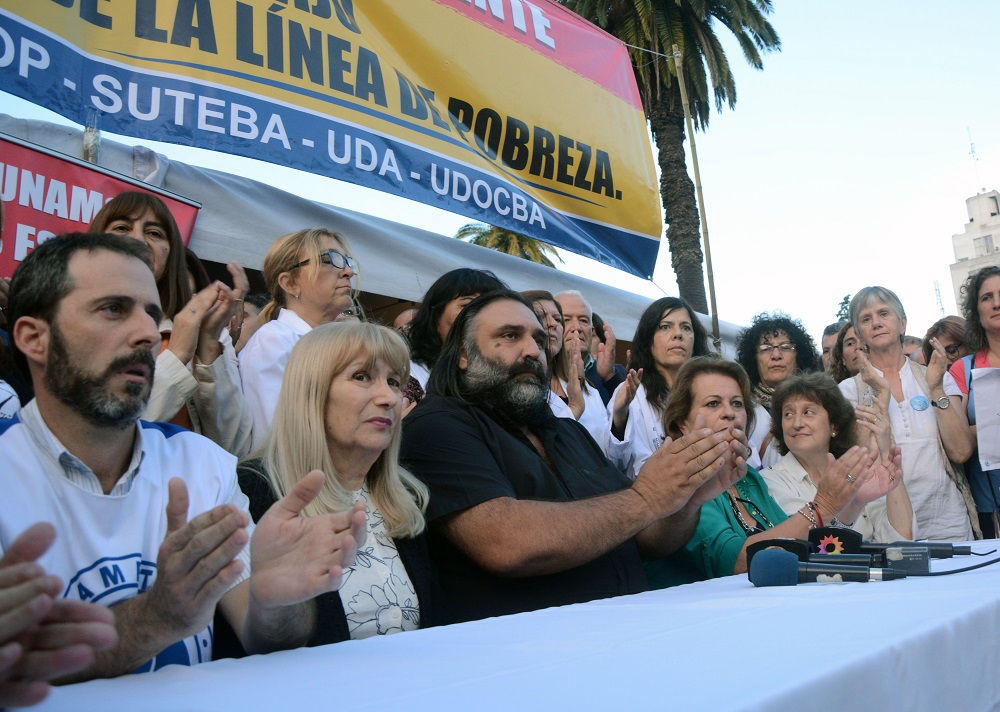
916, 644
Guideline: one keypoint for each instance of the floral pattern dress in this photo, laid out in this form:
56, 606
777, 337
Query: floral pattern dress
377, 593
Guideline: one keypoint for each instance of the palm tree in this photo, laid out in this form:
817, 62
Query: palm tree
508, 242
656, 25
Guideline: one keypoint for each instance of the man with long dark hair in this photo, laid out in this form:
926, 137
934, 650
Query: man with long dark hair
526, 512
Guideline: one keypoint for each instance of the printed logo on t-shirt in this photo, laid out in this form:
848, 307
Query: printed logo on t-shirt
113, 579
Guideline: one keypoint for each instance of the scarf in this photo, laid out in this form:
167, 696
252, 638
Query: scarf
763, 394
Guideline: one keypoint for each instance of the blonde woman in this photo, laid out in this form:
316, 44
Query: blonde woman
339, 411
309, 275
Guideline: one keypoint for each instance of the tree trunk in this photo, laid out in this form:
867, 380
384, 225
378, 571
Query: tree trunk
680, 211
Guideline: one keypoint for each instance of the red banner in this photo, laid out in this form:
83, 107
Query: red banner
46, 193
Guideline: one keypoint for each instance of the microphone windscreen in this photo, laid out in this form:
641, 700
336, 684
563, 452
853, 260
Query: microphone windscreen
774, 567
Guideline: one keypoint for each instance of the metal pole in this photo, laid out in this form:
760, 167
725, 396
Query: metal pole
701, 200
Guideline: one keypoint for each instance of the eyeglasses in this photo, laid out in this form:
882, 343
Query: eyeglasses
785, 348
331, 257
953, 350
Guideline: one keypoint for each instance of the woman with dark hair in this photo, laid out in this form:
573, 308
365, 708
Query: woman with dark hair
981, 307
774, 347
438, 309
931, 433
950, 331
667, 335
714, 393
197, 384
813, 424
844, 361
310, 275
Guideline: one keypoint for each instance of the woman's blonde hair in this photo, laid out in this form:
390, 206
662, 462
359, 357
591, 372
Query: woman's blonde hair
297, 442
286, 252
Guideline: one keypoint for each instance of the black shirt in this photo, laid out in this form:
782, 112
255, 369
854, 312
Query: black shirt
467, 455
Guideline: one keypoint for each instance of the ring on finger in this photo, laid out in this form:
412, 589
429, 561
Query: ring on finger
852, 480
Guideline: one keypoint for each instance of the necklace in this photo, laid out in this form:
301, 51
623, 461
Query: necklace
761, 519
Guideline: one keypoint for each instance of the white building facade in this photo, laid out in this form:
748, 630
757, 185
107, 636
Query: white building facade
979, 245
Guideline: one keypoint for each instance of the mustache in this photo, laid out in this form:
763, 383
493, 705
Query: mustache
528, 366
140, 357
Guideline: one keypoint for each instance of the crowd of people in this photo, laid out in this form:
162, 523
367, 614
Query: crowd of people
320, 477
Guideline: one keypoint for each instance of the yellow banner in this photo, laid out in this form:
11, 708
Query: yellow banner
512, 112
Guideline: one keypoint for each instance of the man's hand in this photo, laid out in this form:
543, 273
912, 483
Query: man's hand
195, 565
42, 637
606, 354
679, 468
295, 558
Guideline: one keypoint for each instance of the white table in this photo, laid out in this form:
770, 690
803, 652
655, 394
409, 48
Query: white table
916, 644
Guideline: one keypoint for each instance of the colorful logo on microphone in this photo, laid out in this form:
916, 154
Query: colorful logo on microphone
831, 545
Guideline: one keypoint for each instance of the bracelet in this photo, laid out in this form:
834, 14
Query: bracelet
815, 509
810, 517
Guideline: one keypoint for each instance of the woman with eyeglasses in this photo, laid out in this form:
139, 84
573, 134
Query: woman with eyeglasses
774, 347
713, 393
950, 331
310, 276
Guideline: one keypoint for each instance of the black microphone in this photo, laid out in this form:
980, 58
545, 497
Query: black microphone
774, 567
937, 549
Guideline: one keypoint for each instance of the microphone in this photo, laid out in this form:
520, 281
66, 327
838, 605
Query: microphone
774, 567
937, 549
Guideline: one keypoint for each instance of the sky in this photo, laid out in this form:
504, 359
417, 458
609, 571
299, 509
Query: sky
845, 163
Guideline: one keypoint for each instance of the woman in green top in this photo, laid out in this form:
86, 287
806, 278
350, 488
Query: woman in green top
719, 391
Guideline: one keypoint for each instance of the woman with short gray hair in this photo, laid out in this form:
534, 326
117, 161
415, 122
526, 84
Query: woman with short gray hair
930, 433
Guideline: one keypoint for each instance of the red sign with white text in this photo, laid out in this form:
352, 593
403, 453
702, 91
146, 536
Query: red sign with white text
47, 193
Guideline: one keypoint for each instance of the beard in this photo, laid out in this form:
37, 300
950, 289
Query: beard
89, 396
524, 400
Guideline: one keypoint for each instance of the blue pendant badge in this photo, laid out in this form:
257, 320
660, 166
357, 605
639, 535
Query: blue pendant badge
919, 403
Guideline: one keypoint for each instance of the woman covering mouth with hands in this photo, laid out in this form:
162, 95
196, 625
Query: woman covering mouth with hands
718, 392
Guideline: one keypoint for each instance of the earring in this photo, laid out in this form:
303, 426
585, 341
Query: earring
296, 297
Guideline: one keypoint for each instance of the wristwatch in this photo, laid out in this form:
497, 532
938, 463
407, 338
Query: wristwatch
943, 402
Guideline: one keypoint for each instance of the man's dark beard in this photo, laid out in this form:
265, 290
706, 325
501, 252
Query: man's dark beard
523, 400
88, 395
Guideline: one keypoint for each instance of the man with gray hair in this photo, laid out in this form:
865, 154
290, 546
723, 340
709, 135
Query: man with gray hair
600, 369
